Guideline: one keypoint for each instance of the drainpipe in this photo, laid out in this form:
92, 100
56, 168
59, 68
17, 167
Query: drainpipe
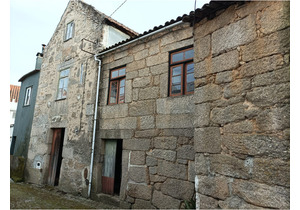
95, 123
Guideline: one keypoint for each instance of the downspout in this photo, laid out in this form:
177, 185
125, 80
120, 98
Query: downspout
95, 123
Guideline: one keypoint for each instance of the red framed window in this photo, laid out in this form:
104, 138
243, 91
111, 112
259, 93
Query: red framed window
117, 86
181, 72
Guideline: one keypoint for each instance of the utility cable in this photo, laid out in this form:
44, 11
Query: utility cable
118, 8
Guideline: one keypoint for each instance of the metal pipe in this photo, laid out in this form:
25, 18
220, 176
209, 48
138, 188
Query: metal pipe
142, 37
95, 123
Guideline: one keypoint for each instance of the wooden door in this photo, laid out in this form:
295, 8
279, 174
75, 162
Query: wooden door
55, 156
108, 175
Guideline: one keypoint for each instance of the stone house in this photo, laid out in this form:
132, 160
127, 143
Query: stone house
196, 107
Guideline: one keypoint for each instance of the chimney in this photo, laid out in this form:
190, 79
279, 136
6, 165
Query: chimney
39, 58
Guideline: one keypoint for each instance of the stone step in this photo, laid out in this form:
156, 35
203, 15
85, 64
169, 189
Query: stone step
113, 200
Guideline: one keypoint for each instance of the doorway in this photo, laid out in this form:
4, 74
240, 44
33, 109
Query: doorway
112, 170
56, 156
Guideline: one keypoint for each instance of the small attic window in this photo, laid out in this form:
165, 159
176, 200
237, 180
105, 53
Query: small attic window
69, 31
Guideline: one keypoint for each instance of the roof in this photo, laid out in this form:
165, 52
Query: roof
14, 93
207, 11
28, 74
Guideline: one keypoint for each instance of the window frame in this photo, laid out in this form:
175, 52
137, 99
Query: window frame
72, 31
26, 96
183, 63
58, 88
117, 79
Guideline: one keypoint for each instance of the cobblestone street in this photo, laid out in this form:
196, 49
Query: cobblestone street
27, 196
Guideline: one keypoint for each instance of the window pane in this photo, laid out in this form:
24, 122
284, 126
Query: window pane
114, 74
176, 71
189, 54
190, 87
121, 72
113, 93
122, 94
61, 83
122, 84
59, 95
176, 89
190, 68
66, 80
190, 78
176, 80
177, 57
64, 92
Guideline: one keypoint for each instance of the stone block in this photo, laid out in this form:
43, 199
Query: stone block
159, 69
128, 91
207, 93
141, 82
121, 123
157, 178
165, 143
142, 108
228, 114
138, 174
163, 154
201, 48
177, 45
261, 65
147, 122
141, 54
149, 93
224, 77
231, 166
183, 105
151, 161
207, 140
261, 194
162, 201
272, 171
142, 204
188, 132
116, 134
235, 202
215, 187
208, 202
174, 121
139, 191
137, 144
202, 164
270, 95
157, 59
163, 86
235, 34
275, 43
274, 77
257, 145
136, 65
225, 61
236, 87
173, 170
117, 111
146, 133
186, 152
277, 118
275, 17
191, 171
153, 170
179, 189
245, 126
137, 158
144, 72
202, 115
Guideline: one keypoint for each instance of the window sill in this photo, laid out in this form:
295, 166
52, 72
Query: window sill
60, 99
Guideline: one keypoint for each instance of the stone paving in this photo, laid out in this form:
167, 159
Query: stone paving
28, 196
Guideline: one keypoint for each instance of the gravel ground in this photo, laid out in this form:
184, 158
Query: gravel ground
29, 196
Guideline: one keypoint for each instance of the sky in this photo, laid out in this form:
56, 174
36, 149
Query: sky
33, 22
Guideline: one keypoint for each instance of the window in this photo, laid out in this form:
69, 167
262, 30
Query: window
181, 72
117, 86
27, 96
69, 31
81, 74
63, 84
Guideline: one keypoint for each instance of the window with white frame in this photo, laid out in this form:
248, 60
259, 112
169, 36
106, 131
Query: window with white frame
69, 30
63, 84
27, 96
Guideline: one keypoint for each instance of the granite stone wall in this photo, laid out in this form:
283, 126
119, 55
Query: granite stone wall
242, 111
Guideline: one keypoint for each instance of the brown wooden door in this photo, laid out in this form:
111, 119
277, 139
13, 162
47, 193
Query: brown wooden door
55, 156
